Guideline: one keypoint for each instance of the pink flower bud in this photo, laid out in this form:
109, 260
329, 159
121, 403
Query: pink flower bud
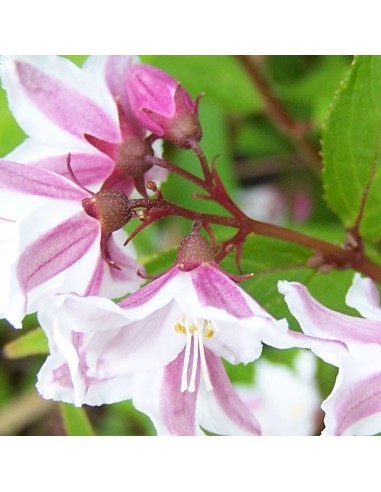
163, 106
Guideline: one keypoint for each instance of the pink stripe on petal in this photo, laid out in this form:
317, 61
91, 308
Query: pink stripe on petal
146, 293
87, 168
116, 70
178, 408
64, 106
217, 290
33, 181
62, 376
94, 286
317, 320
358, 401
56, 250
229, 401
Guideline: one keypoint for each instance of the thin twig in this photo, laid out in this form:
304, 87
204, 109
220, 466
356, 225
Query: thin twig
296, 131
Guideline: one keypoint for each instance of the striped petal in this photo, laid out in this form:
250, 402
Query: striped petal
363, 296
354, 406
319, 321
158, 395
221, 410
56, 102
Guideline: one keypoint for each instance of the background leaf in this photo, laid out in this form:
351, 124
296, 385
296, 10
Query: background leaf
33, 343
76, 421
351, 142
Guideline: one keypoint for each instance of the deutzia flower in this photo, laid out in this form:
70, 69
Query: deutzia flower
168, 338
58, 235
354, 406
86, 112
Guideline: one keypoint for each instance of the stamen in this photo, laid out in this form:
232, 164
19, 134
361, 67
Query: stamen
180, 328
208, 329
192, 382
204, 368
194, 331
184, 375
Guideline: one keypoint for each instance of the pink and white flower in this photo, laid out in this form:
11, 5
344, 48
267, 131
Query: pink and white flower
285, 399
354, 406
169, 337
86, 112
50, 241
163, 346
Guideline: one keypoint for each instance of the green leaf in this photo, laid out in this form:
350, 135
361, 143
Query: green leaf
32, 343
76, 421
11, 133
351, 149
220, 77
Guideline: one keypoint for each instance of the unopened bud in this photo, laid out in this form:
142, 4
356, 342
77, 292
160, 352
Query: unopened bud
194, 249
130, 159
110, 208
163, 106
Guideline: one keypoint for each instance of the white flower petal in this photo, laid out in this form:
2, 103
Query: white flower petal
363, 296
221, 410
56, 102
319, 321
158, 395
354, 406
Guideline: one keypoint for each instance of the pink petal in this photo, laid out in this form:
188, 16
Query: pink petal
119, 345
142, 345
146, 293
364, 297
64, 376
88, 168
354, 406
115, 282
52, 91
116, 69
178, 409
33, 181
56, 250
220, 410
317, 320
159, 396
215, 289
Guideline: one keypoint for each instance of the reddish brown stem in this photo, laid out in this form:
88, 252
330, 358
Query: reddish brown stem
333, 255
296, 131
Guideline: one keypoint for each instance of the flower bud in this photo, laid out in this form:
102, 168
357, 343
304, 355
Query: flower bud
130, 157
111, 208
194, 249
163, 106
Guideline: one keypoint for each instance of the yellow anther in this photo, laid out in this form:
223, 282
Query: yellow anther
208, 333
180, 328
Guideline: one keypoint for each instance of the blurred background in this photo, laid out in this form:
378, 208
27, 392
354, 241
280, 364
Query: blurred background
264, 116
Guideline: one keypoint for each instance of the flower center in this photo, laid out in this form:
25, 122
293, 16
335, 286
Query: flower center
195, 332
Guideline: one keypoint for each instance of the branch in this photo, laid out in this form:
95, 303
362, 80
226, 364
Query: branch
330, 254
296, 131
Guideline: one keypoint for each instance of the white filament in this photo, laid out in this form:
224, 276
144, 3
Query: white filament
184, 375
196, 333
